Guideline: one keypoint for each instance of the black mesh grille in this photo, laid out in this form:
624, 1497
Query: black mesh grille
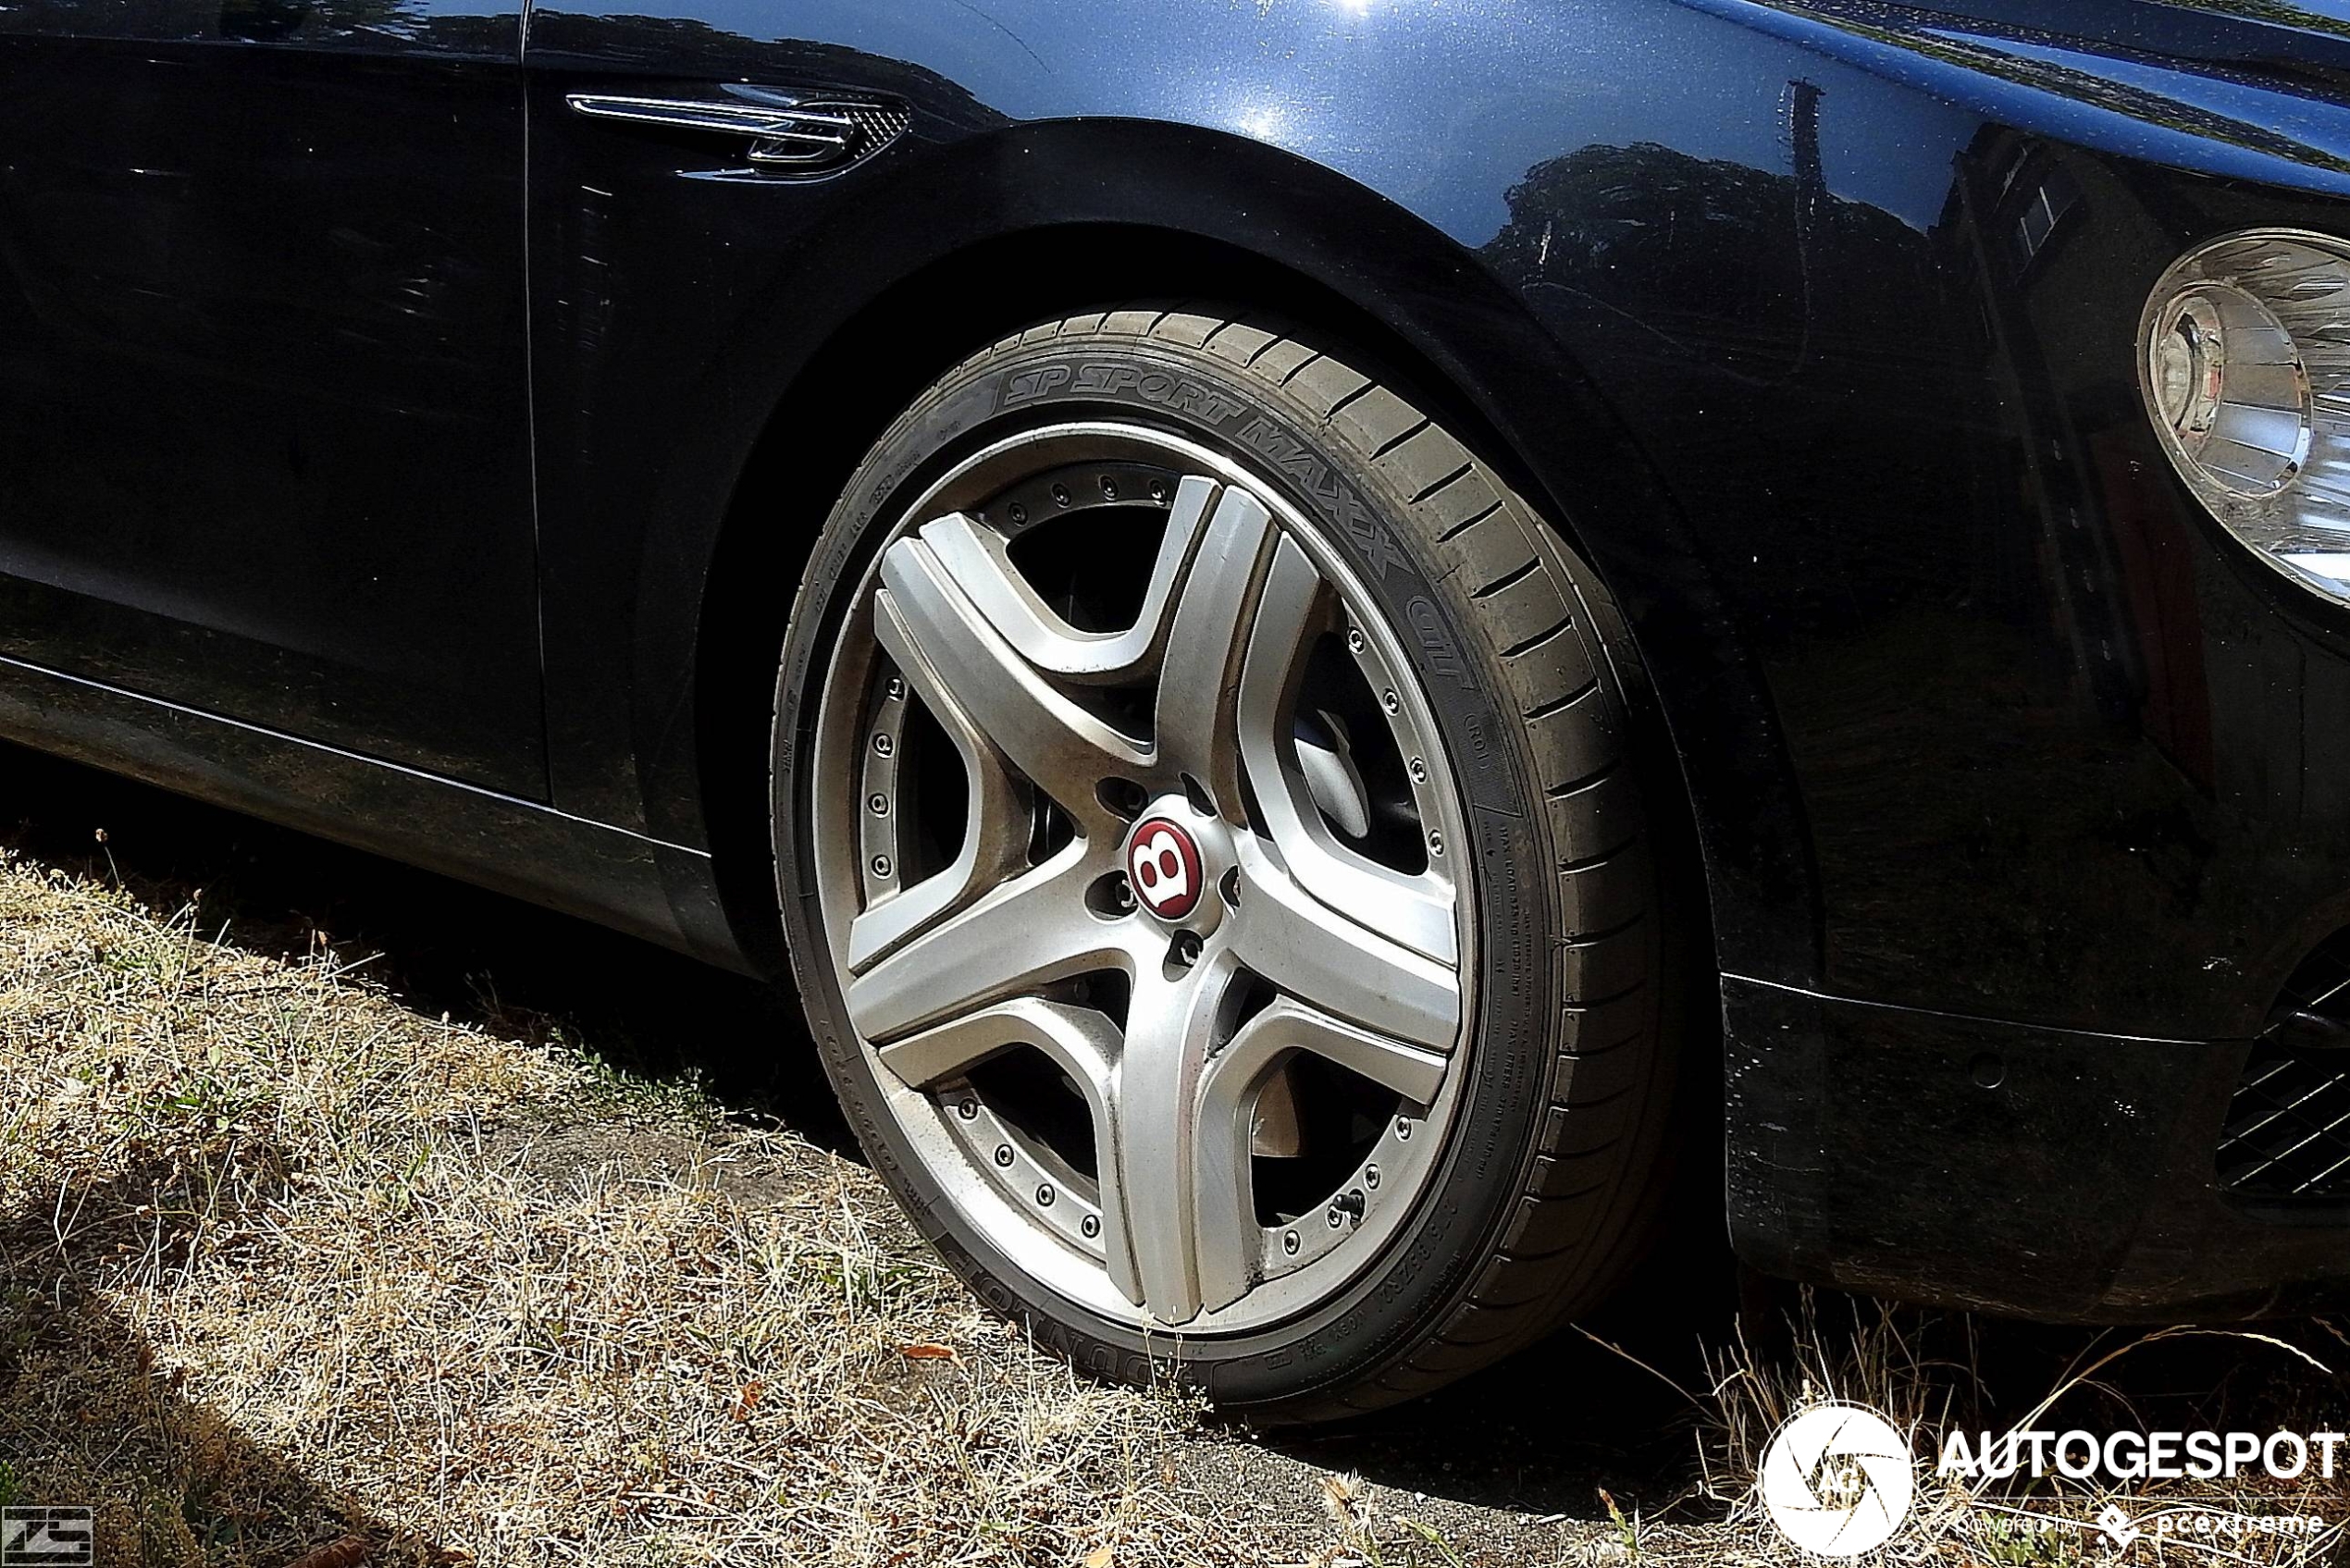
877, 125
2288, 1133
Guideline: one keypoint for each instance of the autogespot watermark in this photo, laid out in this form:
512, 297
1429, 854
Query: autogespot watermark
1840, 1480
2144, 1456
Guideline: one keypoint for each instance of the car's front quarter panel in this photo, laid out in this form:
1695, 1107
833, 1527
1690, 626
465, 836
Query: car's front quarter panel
1814, 327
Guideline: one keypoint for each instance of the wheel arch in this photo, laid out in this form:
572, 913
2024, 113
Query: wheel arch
1205, 217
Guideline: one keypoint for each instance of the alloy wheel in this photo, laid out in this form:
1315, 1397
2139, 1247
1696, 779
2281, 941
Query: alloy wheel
1135, 846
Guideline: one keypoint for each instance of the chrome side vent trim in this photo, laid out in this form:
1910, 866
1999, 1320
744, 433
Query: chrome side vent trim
788, 133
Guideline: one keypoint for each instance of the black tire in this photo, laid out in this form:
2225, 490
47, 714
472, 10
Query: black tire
1557, 1157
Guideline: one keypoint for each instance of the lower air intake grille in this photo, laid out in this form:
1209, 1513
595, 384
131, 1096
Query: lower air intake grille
2288, 1133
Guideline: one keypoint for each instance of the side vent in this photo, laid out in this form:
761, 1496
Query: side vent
790, 133
2288, 1133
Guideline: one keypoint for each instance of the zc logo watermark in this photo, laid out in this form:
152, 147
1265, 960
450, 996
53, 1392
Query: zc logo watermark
47, 1537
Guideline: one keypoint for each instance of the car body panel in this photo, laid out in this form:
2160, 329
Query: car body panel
262, 306
1763, 248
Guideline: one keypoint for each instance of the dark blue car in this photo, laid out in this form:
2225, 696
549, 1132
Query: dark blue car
1325, 634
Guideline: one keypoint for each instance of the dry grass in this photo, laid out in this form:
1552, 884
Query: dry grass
283, 1259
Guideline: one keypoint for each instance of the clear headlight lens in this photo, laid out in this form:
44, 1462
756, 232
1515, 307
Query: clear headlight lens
2243, 357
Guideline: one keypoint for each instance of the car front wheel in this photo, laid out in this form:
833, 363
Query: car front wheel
1216, 869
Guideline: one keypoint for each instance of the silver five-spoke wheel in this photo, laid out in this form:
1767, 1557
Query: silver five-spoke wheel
1132, 828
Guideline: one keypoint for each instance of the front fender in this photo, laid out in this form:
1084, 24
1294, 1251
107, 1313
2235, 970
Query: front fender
1813, 325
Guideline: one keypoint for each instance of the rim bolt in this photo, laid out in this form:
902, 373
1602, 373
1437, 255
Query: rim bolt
1187, 948
1290, 1243
1019, 515
1109, 487
1388, 701
1060, 494
1404, 1126
881, 865
1371, 1177
1355, 641
1419, 770
1092, 1225
878, 805
1337, 1217
1002, 1153
1158, 489
884, 746
1045, 1195
1436, 844
967, 1110
893, 688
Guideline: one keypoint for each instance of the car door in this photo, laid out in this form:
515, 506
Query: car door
264, 395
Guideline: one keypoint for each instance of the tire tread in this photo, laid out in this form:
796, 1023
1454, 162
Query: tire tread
1606, 1122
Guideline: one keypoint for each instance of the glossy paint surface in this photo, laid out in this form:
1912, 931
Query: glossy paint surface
1812, 324
263, 408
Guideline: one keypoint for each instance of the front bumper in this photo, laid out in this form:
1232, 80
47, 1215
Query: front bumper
2003, 1168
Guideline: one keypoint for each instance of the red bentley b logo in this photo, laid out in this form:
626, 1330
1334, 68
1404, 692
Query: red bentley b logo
1162, 864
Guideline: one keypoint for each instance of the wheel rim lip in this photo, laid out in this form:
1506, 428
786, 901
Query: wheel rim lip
923, 1118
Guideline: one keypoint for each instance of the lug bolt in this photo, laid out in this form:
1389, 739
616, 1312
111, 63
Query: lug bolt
1371, 1177
1187, 948
1045, 1195
1419, 770
1388, 701
1002, 1153
967, 1110
1231, 887
881, 865
1092, 1225
884, 746
1290, 1243
1355, 641
878, 805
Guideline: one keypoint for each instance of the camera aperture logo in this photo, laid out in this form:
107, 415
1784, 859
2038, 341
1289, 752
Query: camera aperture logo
1839, 1480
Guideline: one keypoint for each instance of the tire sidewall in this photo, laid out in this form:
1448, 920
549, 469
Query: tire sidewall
1389, 1308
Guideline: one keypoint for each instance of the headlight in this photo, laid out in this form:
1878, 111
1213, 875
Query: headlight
2244, 358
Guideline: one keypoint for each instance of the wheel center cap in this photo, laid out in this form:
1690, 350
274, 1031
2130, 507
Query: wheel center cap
1163, 866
